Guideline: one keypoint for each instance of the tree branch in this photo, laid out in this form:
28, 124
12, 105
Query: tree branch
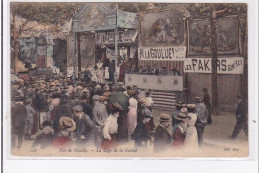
30, 27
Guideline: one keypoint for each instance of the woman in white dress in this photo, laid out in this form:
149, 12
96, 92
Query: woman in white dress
191, 140
132, 114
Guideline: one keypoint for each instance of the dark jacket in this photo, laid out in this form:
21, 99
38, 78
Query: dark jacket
86, 107
162, 139
41, 103
241, 111
61, 111
206, 100
140, 134
85, 126
18, 116
43, 140
111, 68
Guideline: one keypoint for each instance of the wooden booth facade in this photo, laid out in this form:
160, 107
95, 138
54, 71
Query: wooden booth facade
101, 32
189, 40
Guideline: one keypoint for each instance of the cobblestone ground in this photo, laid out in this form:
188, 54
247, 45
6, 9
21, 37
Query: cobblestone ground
216, 141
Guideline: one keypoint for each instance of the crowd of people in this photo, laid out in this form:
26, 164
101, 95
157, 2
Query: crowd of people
55, 111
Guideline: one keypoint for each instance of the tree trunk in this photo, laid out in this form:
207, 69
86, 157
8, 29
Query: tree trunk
213, 45
15, 45
245, 74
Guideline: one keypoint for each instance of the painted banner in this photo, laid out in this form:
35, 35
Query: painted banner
127, 19
163, 28
27, 49
162, 53
155, 82
95, 17
227, 36
224, 65
110, 54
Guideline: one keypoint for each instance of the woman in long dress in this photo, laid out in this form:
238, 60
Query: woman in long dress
191, 140
132, 116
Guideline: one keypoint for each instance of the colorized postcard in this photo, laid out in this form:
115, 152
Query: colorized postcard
125, 80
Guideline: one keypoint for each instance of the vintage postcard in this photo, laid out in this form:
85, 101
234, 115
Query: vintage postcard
125, 80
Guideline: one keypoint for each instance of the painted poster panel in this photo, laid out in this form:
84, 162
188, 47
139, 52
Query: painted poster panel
166, 27
87, 49
227, 36
224, 65
127, 19
94, 17
27, 50
162, 53
70, 51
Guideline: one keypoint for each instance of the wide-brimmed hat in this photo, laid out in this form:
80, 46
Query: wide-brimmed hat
181, 116
191, 106
98, 87
120, 83
197, 99
117, 106
179, 103
85, 90
79, 87
67, 124
101, 98
164, 117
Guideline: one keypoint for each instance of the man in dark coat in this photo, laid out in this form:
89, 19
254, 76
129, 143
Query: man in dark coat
85, 128
141, 133
206, 101
123, 69
63, 110
18, 116
241, 119
44, 139
41, 102
111, 71
202, 113
162, 138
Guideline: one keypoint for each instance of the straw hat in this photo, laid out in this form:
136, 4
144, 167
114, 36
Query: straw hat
117, 106
67, 124
181, 116
164, 117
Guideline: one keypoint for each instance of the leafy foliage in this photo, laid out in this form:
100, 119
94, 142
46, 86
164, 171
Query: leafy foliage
45, 12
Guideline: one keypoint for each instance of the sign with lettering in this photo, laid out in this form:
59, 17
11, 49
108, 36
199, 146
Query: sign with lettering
128, 36
224, 65
155, 82
162, 53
